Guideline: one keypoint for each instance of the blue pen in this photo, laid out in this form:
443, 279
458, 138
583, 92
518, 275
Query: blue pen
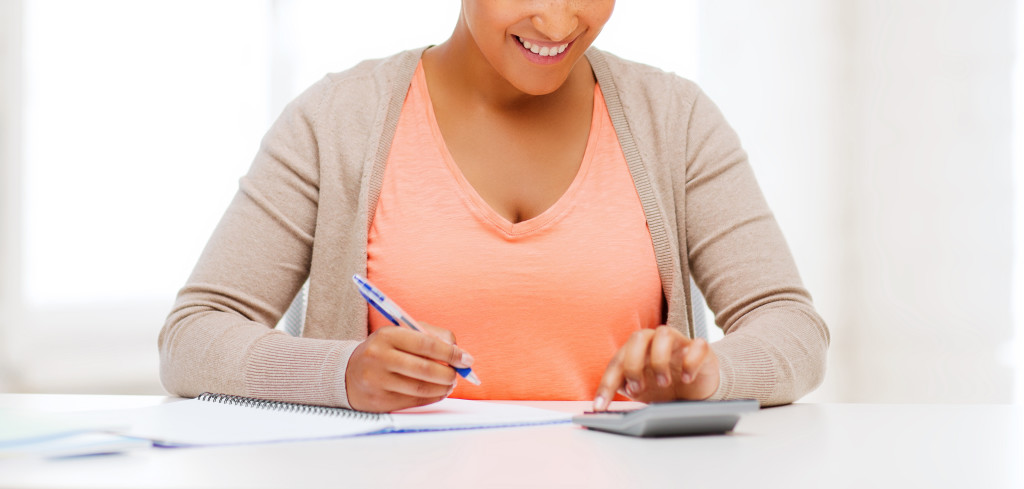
398, 317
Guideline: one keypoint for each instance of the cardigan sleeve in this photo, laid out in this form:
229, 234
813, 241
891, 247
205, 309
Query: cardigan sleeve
219, 336
775, 343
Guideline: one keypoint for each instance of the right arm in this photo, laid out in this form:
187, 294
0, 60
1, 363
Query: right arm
219, 336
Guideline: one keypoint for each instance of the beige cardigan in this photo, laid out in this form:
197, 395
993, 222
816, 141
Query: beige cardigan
304, 208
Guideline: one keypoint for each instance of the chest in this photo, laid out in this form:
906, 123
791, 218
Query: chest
519, 166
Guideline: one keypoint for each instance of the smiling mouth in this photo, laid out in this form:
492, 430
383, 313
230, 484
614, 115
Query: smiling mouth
549, 51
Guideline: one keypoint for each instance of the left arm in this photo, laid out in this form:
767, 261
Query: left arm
775, 342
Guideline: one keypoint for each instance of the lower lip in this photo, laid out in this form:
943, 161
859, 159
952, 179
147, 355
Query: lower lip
542, 60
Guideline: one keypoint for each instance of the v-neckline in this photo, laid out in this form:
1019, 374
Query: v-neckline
473, 198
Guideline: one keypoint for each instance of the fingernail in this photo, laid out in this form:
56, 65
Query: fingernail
450, 390
599, 403
467, 359
663, 380
632, 387
687, 378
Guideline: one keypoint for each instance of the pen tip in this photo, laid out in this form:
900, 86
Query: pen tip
473, 379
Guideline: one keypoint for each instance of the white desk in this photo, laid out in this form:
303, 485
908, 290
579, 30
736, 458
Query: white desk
802, 445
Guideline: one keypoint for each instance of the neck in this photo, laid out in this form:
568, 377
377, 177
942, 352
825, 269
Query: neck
460, 68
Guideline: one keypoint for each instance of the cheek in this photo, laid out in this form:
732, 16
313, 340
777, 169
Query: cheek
487, 24
490, 31
596, 14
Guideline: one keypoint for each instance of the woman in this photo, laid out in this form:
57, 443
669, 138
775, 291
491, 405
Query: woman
543, 202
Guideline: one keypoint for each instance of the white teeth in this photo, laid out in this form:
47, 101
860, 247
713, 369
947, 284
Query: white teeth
542, 50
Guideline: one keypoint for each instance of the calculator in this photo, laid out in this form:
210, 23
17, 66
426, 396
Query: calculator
675, 418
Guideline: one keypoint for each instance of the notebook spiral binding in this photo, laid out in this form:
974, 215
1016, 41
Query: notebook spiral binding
288, 406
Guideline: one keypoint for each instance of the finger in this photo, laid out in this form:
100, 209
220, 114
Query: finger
611, 381
386, 401
635, 360
408, 386
694, 358
421, 369
427, 346
462, 359
665, 358
443, 334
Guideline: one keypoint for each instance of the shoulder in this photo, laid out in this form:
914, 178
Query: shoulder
638, 82
361, 89
380, 70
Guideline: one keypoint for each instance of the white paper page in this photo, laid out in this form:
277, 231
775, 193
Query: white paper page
462, 414
195, 422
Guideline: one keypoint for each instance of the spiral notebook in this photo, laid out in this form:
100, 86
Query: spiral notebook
218, 419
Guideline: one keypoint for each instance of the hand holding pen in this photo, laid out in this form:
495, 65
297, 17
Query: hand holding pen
396, 368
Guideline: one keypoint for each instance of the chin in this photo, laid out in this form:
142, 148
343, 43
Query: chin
541, 87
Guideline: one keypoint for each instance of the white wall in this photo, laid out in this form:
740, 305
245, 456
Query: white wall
10, 143
936, 234
1017, 352
881, 131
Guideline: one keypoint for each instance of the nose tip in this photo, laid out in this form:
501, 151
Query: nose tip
557, 27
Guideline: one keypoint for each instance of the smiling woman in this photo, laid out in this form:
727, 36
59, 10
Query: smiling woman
559, 207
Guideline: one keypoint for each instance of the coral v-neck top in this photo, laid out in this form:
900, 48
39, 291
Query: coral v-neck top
541, 304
